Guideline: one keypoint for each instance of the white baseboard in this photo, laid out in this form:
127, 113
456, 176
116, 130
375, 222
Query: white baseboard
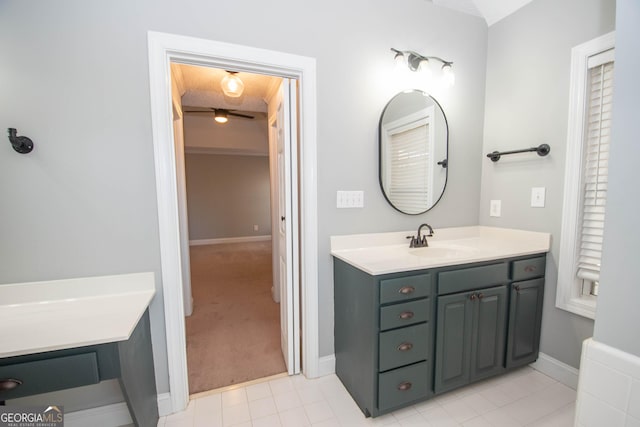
113, 415
165, 407
244, 239
327, 365
559, 371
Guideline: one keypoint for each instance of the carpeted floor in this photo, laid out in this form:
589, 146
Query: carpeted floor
233, 335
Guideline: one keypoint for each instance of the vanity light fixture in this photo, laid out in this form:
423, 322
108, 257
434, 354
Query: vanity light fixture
417, 62
231, 84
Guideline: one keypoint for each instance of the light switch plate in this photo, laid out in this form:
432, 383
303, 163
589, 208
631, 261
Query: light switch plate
350, 199
495, 207
537, 197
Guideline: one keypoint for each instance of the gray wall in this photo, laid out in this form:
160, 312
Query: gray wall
618, 317
227, 196
74, 77
527, 104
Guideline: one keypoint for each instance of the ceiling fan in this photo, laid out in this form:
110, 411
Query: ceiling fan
221, 115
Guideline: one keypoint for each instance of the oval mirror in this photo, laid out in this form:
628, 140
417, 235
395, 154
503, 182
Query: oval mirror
413, 142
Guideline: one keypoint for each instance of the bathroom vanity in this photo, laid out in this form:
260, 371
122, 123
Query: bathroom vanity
411, 323
71, 333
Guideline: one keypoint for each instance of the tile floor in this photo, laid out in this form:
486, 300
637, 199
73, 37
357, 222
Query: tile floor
524, 397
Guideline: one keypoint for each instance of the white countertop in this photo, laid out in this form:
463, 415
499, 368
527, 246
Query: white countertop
383, 253
58, 314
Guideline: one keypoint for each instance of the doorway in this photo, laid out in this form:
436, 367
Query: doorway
163, 49
237, 250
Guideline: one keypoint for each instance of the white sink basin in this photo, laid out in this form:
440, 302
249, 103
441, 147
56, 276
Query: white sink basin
442, 251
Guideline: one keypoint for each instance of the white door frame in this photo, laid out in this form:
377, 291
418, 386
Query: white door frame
163, 49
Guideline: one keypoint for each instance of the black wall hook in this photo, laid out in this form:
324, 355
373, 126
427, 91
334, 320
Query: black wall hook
21, 144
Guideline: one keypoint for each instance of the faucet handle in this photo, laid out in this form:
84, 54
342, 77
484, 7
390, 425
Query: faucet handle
413, 242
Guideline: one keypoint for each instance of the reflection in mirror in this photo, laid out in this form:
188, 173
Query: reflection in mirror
413, 135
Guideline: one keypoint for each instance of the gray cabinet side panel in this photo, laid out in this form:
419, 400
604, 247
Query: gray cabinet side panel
355, 333
137, 375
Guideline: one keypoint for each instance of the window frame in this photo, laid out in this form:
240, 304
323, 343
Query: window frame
569, 294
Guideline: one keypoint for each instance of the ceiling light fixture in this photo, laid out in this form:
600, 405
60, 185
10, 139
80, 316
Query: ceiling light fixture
231, 84
221, 116
417, 62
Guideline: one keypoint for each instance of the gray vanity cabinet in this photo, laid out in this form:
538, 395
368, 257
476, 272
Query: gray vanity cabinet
401, 338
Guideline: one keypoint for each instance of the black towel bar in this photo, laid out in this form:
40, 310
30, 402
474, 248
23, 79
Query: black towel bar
542, 150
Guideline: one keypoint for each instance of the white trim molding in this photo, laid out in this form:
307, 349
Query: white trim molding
568, 295
220, 240
327, 365
164, 49
559, 371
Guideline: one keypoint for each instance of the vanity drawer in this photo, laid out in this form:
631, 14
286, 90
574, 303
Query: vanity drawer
403, 346
403, 385
472, 278
528, 268
46, 375
405, 288
404, 314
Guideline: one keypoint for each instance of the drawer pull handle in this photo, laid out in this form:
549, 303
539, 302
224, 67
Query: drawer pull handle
405, 346
530, 268
9, 384
406, 290
517, 288
404, 386
406, 315
472, 296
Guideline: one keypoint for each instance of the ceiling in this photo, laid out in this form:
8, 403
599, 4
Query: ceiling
491, 10
200, 87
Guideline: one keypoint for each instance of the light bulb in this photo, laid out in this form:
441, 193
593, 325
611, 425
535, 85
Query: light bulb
425, 69
448, 78
232, 86
400, 61
221, 116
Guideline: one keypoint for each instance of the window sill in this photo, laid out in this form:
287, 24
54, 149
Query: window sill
585, 307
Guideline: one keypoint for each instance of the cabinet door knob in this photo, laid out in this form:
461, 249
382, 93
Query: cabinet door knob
517, 288
404, 386
480, 295
472, 296
406, 290
9, 384
406, 315
405, 346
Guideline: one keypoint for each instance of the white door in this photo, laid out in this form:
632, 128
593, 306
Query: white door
287, 231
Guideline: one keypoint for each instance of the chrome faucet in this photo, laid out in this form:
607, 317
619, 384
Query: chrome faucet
420, 241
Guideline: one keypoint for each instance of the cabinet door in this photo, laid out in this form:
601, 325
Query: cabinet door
525, 317
453, 340
489, 332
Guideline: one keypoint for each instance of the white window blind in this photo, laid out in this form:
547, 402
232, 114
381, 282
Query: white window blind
596, 168
409, 168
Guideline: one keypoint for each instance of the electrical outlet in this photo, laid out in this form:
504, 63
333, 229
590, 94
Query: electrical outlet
537, 197
495, 207
350, 199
